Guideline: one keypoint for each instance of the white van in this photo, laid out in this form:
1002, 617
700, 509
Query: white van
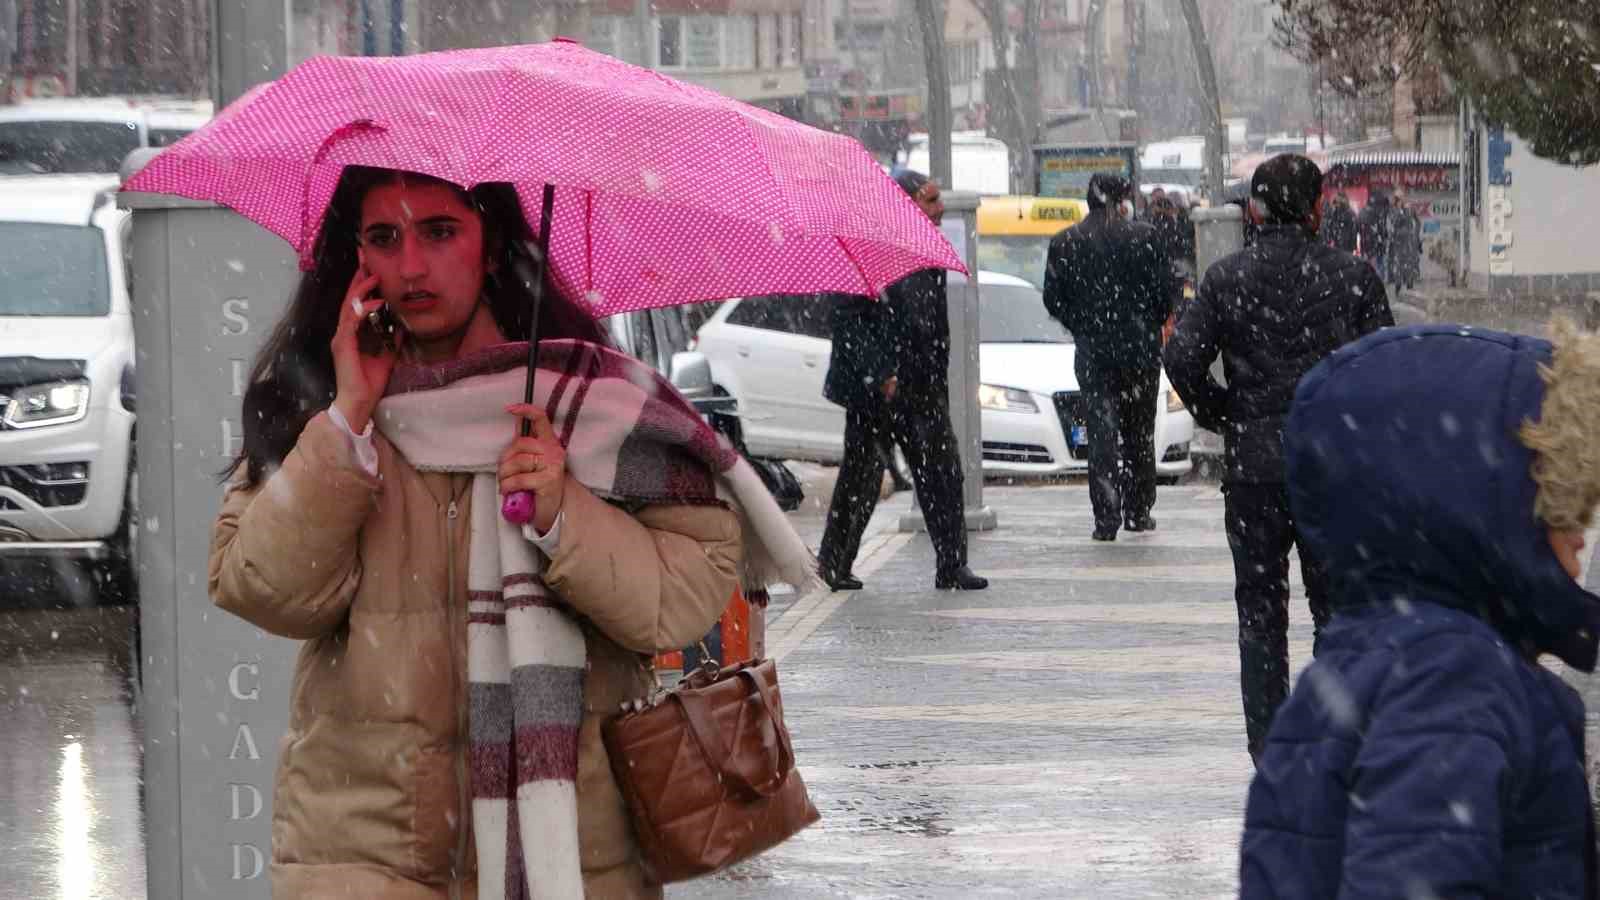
978, 163
1181, 162
67, 392
89, 134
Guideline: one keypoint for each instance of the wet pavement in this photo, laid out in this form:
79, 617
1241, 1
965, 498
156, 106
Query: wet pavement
71, 820
1072, 732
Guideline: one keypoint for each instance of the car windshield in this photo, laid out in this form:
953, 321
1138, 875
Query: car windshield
52, 270
49, 147
1012, 314
1022, 256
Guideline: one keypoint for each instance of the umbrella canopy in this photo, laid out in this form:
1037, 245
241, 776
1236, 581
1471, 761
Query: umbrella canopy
666, 193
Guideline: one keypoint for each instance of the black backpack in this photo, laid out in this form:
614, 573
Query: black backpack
780, 482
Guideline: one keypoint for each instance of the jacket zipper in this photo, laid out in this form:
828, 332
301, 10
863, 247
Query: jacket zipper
463, 801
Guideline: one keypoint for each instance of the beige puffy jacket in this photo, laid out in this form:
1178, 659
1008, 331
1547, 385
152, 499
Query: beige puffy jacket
372, 798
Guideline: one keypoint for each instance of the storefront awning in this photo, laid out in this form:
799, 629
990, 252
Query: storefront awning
1410, 158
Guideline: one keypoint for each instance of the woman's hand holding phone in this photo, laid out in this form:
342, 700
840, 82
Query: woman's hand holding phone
361, 377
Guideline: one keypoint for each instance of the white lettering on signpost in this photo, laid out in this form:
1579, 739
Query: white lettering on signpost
234, 310
246, 802
245, 740
258, 863
232, 438
235, 677
238, 376
240, 791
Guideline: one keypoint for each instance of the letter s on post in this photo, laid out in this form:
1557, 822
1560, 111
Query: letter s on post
234, 311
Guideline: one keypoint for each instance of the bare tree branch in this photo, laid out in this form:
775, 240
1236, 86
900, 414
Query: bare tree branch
1532, 64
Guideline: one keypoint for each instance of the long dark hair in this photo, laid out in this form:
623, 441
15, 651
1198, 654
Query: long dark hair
293, 378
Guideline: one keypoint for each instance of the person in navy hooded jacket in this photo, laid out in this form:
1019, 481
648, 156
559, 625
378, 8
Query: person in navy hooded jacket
1446, 476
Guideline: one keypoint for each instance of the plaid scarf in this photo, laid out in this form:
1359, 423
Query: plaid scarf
631, 439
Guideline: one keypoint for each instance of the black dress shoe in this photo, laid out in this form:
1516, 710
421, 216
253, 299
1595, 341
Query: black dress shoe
962, 579
844, 582
1105, 534
1144, 523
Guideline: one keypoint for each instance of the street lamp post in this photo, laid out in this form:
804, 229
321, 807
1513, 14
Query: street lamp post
249, 45
961, 226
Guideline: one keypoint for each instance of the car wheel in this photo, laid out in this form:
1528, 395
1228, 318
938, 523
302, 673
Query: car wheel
1169, 480
117, 576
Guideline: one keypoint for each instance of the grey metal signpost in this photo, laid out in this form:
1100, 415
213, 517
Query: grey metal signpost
208, 284
961, 227
1218, 231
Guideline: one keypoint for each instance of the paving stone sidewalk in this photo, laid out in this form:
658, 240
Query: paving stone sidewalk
1074, 731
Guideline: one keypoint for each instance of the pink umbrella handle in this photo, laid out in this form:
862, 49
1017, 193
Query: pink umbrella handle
518, 508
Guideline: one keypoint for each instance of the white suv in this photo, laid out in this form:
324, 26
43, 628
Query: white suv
66, 374
771, 354
93, 134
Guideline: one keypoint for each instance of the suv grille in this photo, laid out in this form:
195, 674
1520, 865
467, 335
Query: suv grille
21, 371
56, 484
1072, 409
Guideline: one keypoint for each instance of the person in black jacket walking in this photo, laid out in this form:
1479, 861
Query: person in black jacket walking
1273, 311
890, 371
1109, 282
1339, 224
1376, 235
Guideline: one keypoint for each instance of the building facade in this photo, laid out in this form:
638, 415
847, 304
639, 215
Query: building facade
751, 50
748, 49
64, 48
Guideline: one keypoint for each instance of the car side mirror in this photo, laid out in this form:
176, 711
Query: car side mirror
691, 374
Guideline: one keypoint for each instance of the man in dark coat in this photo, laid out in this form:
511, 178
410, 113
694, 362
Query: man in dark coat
1426, 752
1109, 282
890, 371
1272, 311
1405, 244
1373, 230
1339, 224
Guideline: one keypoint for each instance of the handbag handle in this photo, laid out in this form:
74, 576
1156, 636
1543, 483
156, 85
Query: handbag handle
741, 770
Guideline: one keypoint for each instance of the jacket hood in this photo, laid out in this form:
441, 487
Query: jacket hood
1407, 478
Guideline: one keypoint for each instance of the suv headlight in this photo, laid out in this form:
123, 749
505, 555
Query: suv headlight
1174, 402
56, 403
1007, 399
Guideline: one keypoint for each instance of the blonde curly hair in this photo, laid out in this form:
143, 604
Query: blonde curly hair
1566, 439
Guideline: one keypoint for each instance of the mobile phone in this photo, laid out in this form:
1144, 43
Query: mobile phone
379, 332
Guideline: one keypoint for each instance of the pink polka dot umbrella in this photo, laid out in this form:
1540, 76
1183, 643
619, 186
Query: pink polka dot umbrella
664, 193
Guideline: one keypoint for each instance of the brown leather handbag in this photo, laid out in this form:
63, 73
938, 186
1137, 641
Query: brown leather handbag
708, 770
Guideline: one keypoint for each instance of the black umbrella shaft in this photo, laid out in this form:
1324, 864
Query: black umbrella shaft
546, 207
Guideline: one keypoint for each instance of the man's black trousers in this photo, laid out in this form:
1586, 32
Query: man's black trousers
1260, 533
923, 431
1120, 412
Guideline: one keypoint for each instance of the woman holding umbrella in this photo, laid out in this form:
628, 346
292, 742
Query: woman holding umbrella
461, 644
366, 548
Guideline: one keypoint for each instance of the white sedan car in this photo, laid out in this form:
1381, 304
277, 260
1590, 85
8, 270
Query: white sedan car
771, 354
